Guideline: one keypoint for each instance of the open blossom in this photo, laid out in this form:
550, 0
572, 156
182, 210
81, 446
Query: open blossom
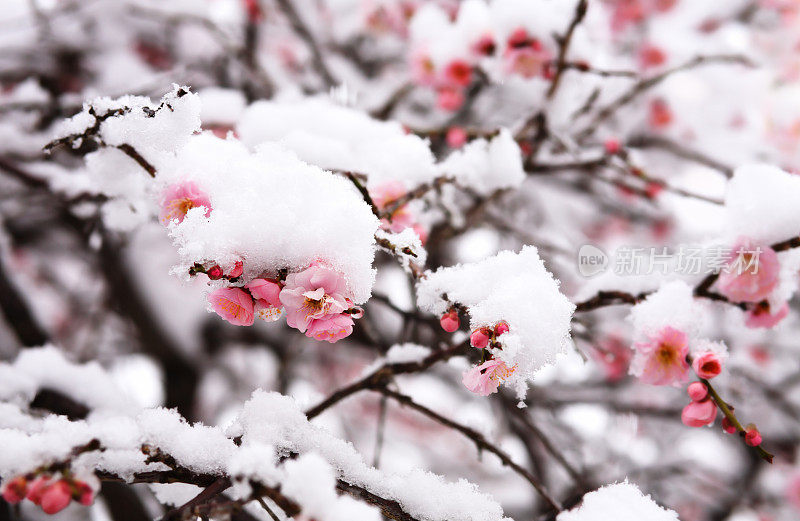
662, 359
423, 72
331, 328
265, 289
484, 379
233, 304
528, 61
614, 356
751, 273
761, 315
178, 199
313, 294
793, 491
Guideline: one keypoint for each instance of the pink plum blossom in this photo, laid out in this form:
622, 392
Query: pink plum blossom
313, 294
179, 198
234, 305
793, 491
330, 328
662, 359
450, 98
423, 71
698, 414
384, 195
484, 379
751, 273
761, 315
615, 357
529, 61
707, 365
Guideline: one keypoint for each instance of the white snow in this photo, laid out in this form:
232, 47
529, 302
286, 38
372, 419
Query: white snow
620, 502
517, 288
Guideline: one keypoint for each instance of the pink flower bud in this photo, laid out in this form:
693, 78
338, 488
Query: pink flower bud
752, 437
56, 497
727, 426
214, 272
697, 391
14, 490
37, 488
84, 493
456, 137
480, 337
237, 270
500, 328
697, 414
450, 321
707, 365
612, 146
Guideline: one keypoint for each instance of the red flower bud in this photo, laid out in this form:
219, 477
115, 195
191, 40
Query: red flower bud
480, 337
450, 321
500, 328
14, 490
752, 437
215, 272
727, 426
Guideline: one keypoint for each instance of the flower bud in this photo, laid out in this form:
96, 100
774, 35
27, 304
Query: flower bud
500, 328
697, 391
14, 490
707, 365
56, 497
752, 437
214, 272
450, 321
727, 426
480, 337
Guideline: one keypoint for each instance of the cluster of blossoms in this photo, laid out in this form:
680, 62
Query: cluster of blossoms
485, 378
50, 493
385, 197
751, 277
314, 299
522, 54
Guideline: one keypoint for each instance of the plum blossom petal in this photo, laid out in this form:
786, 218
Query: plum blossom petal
179, 198
485, 378
233, 304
